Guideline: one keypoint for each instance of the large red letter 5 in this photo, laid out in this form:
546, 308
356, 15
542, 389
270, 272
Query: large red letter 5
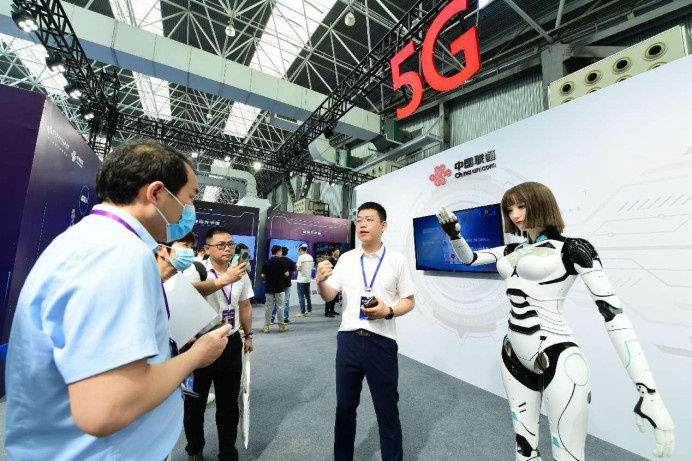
411, 78
467, 42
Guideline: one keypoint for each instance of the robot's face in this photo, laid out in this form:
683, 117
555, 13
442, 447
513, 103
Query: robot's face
517, 213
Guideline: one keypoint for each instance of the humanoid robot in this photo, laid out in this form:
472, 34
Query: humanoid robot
540, 357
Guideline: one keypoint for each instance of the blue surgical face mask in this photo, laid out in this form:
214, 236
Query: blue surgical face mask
176, 231
183, 258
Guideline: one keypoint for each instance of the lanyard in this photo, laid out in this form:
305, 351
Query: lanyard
362, 267
120, 220
228, 297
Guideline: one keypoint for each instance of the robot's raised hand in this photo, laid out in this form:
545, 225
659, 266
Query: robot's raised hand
449, 223
651, 408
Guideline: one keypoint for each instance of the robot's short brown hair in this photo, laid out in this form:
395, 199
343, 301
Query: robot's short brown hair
541, 207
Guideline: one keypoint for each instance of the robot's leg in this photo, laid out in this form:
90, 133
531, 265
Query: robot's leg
567, 397
524, 395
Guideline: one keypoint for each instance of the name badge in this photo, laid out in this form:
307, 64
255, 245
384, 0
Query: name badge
228, 317
364, 299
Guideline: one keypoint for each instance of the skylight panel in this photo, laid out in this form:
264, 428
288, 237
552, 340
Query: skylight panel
33, 57
154, 93
288, 30
240, 119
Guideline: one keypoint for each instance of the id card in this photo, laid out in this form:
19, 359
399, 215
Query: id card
228, 317
363, 301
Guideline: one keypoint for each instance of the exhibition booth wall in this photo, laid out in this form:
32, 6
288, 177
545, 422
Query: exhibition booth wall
619, 162
320, 233
50, 172
242, 221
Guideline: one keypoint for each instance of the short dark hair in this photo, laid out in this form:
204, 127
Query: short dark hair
276, 249
134, 164
381, 212
335, 248
284, 251
190, 238
213, 231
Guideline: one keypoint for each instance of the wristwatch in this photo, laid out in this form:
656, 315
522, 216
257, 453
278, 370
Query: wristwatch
248, 335
390, 316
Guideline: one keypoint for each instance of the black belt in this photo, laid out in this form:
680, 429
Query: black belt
365, 333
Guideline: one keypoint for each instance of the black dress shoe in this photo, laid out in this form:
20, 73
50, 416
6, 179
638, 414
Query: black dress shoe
334, 313
329, 315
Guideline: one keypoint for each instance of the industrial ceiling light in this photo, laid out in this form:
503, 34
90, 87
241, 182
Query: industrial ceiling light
257, 166
25, 20
230, 28
227, 158
87, 112
194, 155
210, 115
291, 174
350, 18
74, 90
56, 63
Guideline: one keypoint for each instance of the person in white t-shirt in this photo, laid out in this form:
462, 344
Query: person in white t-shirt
304, 265
232, 302
366, 342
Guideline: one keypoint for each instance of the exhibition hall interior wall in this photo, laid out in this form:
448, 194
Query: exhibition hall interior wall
50, 172
319, 232
242, 221
619, 162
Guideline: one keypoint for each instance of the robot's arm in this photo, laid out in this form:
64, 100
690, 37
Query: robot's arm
650, 406
450, 224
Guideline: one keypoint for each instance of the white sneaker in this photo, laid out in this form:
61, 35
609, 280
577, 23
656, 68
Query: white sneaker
300, 315
211, 397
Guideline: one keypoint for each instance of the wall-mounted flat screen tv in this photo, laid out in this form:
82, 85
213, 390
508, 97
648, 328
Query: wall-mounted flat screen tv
480, 226
292, 246
248, 240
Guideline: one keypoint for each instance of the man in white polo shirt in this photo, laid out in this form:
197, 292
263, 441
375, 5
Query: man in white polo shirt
232, 302
366, 342
304, 265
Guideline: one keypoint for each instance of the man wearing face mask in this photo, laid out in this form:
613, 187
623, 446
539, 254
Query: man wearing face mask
228, 289
90, 373
176, 257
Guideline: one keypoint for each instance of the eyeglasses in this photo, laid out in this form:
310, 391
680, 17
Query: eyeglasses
223, 245
366, 219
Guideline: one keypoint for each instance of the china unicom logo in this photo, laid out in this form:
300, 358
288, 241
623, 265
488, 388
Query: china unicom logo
441, 172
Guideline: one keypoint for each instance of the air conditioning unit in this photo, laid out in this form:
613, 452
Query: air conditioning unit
311, 206
649, 54
382, 168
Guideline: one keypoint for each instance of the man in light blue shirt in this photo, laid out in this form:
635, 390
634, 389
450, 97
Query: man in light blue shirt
89, 368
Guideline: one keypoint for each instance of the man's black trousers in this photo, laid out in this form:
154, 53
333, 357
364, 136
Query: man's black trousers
375, 358
225, 372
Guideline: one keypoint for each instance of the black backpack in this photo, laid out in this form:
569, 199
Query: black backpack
201, 269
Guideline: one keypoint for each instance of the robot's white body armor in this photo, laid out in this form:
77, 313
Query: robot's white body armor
540, 357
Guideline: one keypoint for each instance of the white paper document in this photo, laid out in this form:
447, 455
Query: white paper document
190, 312
245, 399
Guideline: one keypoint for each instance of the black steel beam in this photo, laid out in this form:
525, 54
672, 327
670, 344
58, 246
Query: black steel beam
58, 37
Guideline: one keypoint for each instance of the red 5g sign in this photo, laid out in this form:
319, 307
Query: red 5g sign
468, 43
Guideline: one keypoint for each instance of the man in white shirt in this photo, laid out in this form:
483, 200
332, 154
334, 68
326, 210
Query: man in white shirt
232, 302
366, 342
304, 265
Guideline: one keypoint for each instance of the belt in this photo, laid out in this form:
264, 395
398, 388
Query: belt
365, 333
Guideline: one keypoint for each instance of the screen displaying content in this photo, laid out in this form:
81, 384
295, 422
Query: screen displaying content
248, 240
292, 246
481, 227
323, 250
